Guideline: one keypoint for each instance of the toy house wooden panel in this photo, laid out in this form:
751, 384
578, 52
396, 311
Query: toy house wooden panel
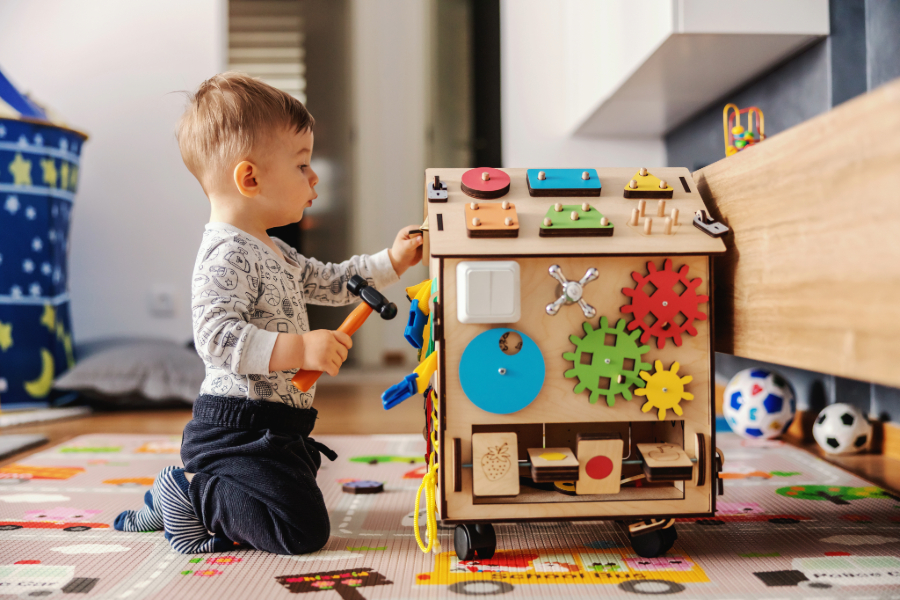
624, 355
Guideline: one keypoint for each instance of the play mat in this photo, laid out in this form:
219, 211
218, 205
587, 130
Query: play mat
788, 526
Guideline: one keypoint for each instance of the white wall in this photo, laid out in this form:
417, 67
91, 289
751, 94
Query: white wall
391, 81
109, 67
557, 55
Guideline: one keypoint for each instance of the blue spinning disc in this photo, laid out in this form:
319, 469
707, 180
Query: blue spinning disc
497, 382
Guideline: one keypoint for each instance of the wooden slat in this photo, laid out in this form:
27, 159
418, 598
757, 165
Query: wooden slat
811, 278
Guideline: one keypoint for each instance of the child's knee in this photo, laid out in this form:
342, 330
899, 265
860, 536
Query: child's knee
311, 536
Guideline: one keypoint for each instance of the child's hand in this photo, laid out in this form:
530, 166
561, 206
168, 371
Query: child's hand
325, 350
406, 251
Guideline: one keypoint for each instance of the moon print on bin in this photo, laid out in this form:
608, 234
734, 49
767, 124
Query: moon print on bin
272, 265
224, 277
238, 261
262, 389
271, 295
281, 326
221, 385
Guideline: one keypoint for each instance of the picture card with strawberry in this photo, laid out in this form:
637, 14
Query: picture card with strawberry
495, 464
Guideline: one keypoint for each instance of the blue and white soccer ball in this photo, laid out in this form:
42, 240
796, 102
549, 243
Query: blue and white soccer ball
759, 404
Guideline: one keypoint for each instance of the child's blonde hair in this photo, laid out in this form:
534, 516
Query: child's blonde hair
227, 116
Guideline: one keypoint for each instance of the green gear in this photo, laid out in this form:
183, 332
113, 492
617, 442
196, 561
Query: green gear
607, 361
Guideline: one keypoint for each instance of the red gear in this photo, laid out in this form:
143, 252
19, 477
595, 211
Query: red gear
664, 304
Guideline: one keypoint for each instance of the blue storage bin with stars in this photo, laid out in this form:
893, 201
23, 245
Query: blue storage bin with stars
38, 178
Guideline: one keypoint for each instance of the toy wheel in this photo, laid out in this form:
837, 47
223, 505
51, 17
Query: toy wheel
76, 528
649, 545
470, 540
10, 527
668, 536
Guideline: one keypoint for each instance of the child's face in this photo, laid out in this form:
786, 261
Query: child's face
288, 183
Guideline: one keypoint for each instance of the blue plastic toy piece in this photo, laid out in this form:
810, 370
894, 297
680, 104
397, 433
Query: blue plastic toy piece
399, 392
497, 382
415, 325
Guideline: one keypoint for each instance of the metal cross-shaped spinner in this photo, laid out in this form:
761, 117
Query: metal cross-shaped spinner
572, 291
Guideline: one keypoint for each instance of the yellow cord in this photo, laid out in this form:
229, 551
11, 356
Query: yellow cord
429, 484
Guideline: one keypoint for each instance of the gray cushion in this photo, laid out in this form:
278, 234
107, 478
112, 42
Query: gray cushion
156, 370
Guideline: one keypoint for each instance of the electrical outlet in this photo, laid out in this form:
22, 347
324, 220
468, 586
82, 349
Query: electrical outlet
161, 301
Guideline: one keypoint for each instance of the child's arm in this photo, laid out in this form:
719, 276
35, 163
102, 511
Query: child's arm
326, 283
319, 350
224, 293
228, 287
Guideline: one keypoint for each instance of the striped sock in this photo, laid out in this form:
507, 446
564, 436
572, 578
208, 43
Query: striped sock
184, 530
149, 517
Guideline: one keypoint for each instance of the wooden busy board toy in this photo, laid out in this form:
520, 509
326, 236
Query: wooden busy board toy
574, 373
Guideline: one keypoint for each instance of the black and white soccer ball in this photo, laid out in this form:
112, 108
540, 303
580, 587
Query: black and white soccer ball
842, 429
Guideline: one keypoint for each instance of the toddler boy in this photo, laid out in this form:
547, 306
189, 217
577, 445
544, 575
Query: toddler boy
250, 466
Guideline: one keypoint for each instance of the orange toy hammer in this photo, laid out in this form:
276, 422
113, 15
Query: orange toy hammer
371, 300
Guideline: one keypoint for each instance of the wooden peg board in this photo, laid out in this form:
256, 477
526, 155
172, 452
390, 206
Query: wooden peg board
647, 187
485, 183
448, 233
492, 220
588, 224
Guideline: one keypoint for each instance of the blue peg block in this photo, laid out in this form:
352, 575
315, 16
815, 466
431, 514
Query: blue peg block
399, 392
415, 326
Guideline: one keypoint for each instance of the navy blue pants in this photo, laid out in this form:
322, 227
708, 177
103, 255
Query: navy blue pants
254, 468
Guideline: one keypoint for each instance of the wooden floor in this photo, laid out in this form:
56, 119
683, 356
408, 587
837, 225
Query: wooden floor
357, 409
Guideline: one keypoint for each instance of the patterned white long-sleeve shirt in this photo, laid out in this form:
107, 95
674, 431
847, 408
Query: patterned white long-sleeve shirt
243, 295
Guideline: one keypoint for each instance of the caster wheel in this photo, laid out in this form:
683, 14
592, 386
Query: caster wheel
470, 540
648, 545
668, 538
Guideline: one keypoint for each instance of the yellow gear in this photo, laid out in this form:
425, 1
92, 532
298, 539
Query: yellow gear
664, 390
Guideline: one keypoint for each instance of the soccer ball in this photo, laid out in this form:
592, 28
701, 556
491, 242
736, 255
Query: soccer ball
842, 429
759, 404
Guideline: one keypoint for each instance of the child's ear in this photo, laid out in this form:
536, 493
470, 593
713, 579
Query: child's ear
246, 178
